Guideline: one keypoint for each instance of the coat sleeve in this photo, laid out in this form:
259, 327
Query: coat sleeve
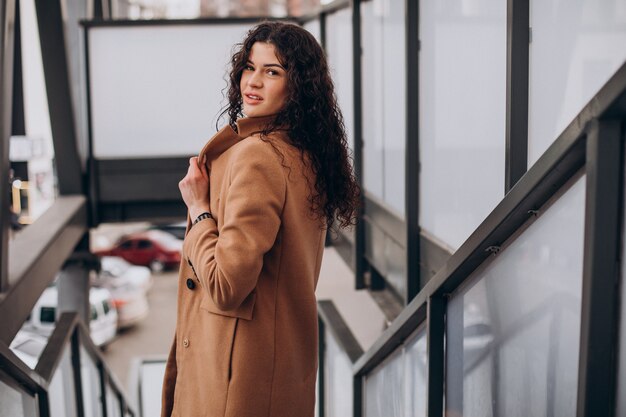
228, 262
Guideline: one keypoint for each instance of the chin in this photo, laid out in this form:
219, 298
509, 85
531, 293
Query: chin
255, 112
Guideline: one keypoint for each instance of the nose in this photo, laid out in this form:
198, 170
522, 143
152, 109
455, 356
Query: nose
255, 79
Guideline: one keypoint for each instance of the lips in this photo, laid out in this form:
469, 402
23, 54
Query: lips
253, 97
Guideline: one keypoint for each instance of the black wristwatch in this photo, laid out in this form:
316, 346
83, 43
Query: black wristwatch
205, 215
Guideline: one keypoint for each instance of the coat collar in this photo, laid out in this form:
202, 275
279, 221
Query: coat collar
247, 126
227, 137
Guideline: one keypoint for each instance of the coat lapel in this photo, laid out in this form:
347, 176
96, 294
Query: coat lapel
227, 137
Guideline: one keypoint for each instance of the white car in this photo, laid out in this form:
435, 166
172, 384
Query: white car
128, 285
116, 269
131, 303
103, 321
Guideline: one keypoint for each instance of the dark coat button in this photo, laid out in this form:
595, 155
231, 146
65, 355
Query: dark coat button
190, 284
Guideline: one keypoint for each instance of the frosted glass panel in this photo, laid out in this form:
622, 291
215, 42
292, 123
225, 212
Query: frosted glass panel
576, 47
397, 387
12, 401
313, 26
416, 363
462, 115
339, 51
384, 100
151, 383
384, 389
137, 111
61, 392
40, 195
395, 259
91, 385
338, 383
113, 403
36, 112
394, 101
372, 91
513, 332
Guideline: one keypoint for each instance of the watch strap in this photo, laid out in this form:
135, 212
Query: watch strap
205, 215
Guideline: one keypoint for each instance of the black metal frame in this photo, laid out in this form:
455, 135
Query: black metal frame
323, 32
7, 41
436, 313
321, 363
359, 229
101, 9
90, 165
56, 72
69, 333
517, 56
87, 24
18, 122
601, 270
414, 279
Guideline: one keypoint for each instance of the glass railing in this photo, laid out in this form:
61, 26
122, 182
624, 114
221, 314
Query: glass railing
521, 319
70, 378
147, 385
338, 350
397, 387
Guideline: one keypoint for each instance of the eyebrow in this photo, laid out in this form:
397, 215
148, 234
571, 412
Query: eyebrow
268, 65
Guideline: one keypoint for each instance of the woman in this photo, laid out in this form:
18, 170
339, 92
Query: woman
260, 196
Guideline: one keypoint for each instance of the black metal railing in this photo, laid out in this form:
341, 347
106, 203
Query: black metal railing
69, 351
591, 147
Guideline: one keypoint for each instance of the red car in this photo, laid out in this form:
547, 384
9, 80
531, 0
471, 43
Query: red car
153, 248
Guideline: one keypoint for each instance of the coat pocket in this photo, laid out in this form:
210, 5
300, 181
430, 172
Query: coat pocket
244, 311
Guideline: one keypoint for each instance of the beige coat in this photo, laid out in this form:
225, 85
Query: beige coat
246, 331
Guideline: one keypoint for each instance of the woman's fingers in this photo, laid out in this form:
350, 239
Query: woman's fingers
196, 171
194, 186
193, 165
203, 168
197, 167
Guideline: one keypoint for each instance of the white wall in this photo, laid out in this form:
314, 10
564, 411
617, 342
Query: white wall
157, 90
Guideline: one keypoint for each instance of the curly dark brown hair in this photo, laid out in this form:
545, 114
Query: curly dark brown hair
311, 114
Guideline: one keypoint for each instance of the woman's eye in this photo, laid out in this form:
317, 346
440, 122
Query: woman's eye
248, 67
272, 72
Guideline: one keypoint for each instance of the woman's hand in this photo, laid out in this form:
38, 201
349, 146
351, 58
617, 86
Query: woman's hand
194, 188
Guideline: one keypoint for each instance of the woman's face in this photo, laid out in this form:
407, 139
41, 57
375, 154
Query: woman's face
263, 82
